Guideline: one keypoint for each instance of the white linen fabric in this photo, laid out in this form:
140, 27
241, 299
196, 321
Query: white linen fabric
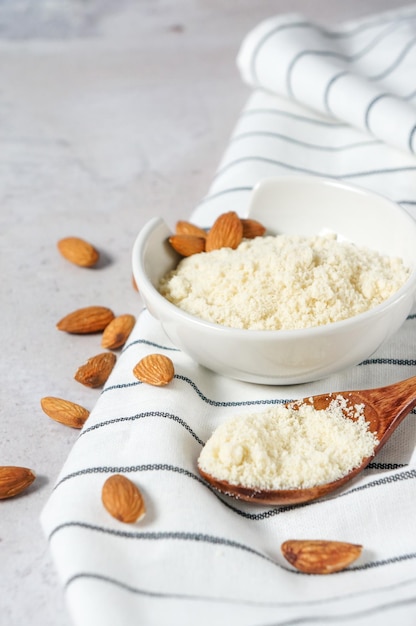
361, 73
199, 557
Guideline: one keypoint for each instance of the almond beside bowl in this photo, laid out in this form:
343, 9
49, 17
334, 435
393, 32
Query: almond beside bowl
291, 205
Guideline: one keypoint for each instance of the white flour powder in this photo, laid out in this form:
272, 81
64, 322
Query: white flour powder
283, 448
283, 282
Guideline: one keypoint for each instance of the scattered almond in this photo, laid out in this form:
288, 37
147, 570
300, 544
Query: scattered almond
155, 369
252, 228
96, 370
186, 228
64, 411
14, 480
117, 332
226, 232
186, 245
320, 557
133, 282
78, 251
123, 499
90, 319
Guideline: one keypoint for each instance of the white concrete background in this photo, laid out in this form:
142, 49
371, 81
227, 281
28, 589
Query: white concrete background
111, 112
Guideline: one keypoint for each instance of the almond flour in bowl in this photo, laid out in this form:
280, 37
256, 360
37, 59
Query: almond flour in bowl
283, 282
292, 206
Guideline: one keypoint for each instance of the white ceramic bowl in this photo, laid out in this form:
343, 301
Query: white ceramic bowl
306, 206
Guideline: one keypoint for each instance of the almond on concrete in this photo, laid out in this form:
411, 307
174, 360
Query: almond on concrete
96, 370
14, 480
90, 319
252, 228
226, 232
155, 369
186, 245
122, 499
78, 251
117, 332
187, 228
318, 556
64, 411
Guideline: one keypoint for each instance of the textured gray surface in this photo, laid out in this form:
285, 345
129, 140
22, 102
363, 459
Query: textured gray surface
111, 112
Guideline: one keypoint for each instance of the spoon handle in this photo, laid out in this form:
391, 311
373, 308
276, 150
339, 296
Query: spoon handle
392, 403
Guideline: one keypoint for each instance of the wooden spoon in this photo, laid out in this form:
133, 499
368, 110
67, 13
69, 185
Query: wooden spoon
384, 409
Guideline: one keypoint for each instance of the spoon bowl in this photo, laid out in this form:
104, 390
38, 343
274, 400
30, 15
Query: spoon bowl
384, 409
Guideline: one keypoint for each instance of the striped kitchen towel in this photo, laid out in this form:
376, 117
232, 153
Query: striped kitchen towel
203, 558
362, 73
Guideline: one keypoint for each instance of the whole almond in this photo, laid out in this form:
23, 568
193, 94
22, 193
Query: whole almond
226, 232
186, 245
78, 251
91, 319
155, 369
187, 228
96, 370
14, 480
252, 228
117, 332
122, 499
318, 556
64, 411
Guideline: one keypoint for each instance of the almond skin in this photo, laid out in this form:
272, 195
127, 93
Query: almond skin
155, 369
78, 251
64, 411
117, 332
318, 556
96, 370
91, 319
186, 228
186, 245
122, 499
14, 480
226, 232
252, 228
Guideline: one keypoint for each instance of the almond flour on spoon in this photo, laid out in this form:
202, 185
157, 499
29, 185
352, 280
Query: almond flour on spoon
288, 448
